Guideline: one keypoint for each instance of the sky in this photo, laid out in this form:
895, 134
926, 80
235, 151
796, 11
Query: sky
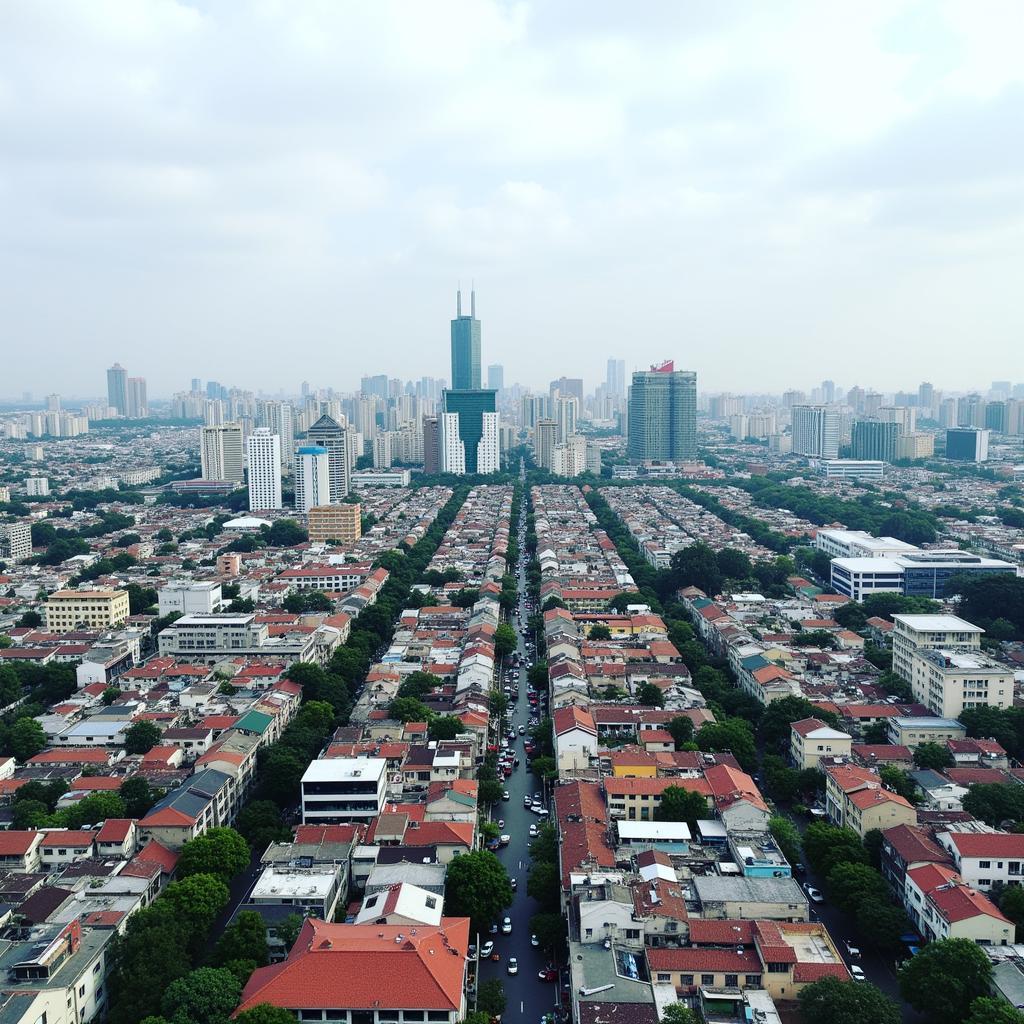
283, 190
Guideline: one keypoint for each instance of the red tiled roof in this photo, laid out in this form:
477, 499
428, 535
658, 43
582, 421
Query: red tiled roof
115, 830
988, 844
71, 755
154, 852
690, 960
334, 965
705, 932
16, 843
68, 837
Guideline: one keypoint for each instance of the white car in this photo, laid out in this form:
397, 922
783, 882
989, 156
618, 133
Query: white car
513, 965
813, 894
533, 831
526, 800
486, 950
505, 840
501, 823
506, 795
852, 950
857, 972
506, 926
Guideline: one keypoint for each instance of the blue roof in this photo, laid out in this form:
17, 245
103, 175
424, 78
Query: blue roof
312, 449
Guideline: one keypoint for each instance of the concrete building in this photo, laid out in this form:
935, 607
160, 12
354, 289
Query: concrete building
915, 446
15, 542
329, 434
875, 440
312, 478
544, 434
207, 639
811, 740
263, 455
469, 440
948, 681
37, 486
190, 597
913, 633
431, 446
943, 906
815, 431
852, 469
117, 389
984, 858
663, 415
858, 544
967, 445
911, 731
138, 405
222, 454
916, 573
343, 789
339, 523
96, 609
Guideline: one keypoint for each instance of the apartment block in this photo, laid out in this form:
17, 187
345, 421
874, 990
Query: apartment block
15, 542
339, 523
336, 790
913, 633
98, 609
948, 681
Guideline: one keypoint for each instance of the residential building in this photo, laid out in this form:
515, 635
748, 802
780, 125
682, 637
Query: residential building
912, 633
875, 440
431, 446
909, 731
336, 790
222, 454
616, 378
138, 406
853, 469
815, 431
117, 389
967, 445
328, 433
207, 639
985, 858
37, 486
575, 738
190, 597
544, 439
948, 681
312, 478
663, 415
495, 377
263, 452
341, 524
915, 446
465, 346
854, 798
369, 974
942, 906
15, 542
811, 740
905, 847
858, 544
97, 609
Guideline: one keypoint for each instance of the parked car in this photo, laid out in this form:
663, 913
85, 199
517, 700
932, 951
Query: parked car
814, 895
522, 729
506, 926
857, 972
548, 974
534, 941
506, 795
486, 950
513, 883
513, 965
533, 831
505, 839
852, 950
526, 800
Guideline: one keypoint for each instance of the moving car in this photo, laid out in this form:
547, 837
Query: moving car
506, 926
486, 950
513, 883
852, 950
534, 941
505, 839
857, 972
814, 895
513, 965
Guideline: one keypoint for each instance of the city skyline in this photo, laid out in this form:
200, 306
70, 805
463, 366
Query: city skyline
864, 205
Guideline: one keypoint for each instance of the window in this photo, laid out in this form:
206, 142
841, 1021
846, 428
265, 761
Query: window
753, 979
437, 1015
984, 863
731, 980
707, 979
684, 979
665, 977
984, 882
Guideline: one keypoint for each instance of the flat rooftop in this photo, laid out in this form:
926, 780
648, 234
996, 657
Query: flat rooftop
938, 623
340, 769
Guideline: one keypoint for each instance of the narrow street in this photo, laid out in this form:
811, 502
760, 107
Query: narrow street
528, 997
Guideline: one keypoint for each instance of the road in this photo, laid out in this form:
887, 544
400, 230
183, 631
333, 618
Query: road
528, 997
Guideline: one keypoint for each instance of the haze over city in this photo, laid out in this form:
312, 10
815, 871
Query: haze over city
215, 188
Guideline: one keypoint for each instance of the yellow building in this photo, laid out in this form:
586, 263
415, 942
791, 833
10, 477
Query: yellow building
340, 523
811, 740
95, 609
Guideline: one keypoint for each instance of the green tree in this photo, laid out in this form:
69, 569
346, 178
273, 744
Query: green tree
697, 566
141, 737
826, 846
138, 796
831, 1001
504, 640
1011, 903
679, 804
260, 822
490, 791
28, 814
650, 696
110, 695
774, 726
995, 803
490, 997
205, 996
26, 738
543, 884
679, 1013
850, 883
733, 735
899, 782
545, 846
92, 809
221, 852
934, 756
681, 728
787, 836
196, 902
733, 564
419, 684
477, 887
281, 773
990, 1010
407, 709
884, 922
286, 533
599, 632
265, 1013
945, 977
550, 929
244, 939
445, 727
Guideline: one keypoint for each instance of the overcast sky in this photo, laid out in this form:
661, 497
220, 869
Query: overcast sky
266, 192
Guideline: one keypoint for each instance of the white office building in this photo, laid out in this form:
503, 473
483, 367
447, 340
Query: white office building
852, 469
488, 449
913, 633
949, 681
312, 478
263, 452
858, 544
221, 453
815, 431
453, 451
190, 597
336, 790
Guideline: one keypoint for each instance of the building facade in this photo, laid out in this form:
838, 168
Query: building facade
340, 523
96, 609
663, 415
312, 478
466, 347
263, 456
222, 454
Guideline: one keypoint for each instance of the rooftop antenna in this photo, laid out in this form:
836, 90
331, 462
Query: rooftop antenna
472, 299
458, 301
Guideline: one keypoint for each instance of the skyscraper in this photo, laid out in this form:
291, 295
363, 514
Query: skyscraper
138, 406
469, 432
117, 389
616, 379
312, 478
263, 451
663, 414
221, 453
465, 347
815, 431
566, 386
431, 446
278, 419
926, 397
327, 433
875, 439
495, 376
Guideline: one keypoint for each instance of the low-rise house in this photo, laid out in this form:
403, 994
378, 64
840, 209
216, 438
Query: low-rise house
942, 906
61, 847
20, 850
984, 858
201, 802
727, 897
402, 904
905, 847
914, 730
811, 740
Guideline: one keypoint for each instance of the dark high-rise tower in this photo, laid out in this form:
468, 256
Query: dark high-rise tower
465, 347
117, 389
663, 415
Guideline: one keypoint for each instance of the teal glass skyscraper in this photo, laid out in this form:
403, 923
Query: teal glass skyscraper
663, 415
465, 347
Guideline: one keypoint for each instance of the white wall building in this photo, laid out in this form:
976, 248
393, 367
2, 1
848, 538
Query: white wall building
341, 789
37, 486
947, 682
858, 544
912, 633
312, 478
488, 449
221, 453
263, 451
815, 431
190, 597
453, 451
